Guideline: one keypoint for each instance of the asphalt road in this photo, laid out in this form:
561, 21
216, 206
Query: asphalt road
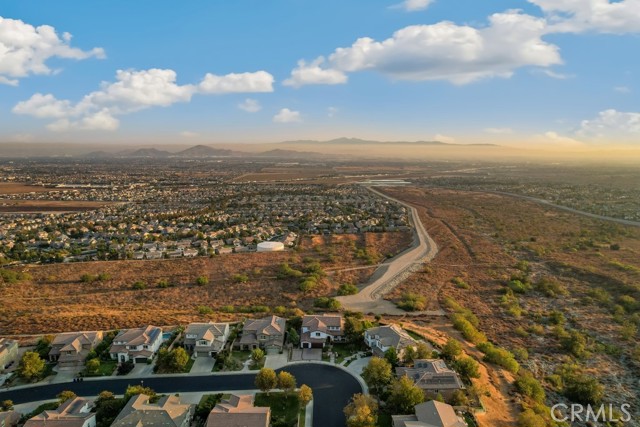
332, 388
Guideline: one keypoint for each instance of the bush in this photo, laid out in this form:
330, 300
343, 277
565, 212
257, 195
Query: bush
469, 331
202, 280
412, 302
125, 367
460, 283
139, 285
328, 303
240, 278
203, 309
347, 289
530, 387
499, 356
583, 389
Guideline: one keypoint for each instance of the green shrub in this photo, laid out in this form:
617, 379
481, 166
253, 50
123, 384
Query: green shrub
347, 289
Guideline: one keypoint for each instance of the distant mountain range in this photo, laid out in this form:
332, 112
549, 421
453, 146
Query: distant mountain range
357, 141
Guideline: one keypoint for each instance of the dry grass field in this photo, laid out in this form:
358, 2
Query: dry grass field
593, 266
42, 206
56, 299
19, 188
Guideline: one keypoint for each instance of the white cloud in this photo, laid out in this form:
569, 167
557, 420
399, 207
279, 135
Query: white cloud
314, 74
612, 124
189, 134
133, 91
499, 131
460, 54
25, 49
607, 16
260, 81
287, 116
622, 89
554, 74
250, 105
414, 5
556, 140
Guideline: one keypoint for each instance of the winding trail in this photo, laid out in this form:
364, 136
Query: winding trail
392, 273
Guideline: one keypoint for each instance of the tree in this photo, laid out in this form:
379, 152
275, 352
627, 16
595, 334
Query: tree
257, 355
294, 338
134, 390
409, 355
31, 366
530, 419
423, 351
66, 395
362, 411
266, 380
583, 389
305, 394
179, 359
93, 365
391, 355
451, 349
286, 382
458, 398
404, 396
467, 367
377, 374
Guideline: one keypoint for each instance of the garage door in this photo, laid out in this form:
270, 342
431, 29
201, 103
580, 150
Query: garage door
141, 360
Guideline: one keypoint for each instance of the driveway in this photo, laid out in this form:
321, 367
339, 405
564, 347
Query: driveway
141, 370
276, 361
301, 354
202, 365
358, 365
332, 388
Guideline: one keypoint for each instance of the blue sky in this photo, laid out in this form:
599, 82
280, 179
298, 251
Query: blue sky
544, 72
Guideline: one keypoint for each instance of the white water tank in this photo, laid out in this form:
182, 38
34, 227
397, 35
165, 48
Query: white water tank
270, 246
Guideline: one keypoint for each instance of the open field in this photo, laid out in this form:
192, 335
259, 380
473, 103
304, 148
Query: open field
587, 270
56, 299
19, 188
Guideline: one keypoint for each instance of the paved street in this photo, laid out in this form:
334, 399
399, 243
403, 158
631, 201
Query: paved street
332, 388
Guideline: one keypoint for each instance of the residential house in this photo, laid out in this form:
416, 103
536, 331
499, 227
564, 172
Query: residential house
8, 352
206, 339
318, 329
71, 349
74, 412
267, 333
382, 338
169, 411
9, 418
430, 414
238, 411
138, 345
433, 376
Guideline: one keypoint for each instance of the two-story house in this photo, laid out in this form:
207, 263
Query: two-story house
433, 376
138, 345
71, 349
318, 329
206, 339
267, 333
169, 411
382, 338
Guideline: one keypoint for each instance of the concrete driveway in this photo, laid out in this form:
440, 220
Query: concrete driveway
300, 354
141, 370
202, 365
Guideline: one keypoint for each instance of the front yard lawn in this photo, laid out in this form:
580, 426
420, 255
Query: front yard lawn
283, 407
235, 362
343, 351
105, 370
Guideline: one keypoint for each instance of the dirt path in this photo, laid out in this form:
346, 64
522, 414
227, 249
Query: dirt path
393, 272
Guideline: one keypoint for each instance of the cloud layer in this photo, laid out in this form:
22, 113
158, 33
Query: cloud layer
460, 54
606, 16
25, 49
134, 91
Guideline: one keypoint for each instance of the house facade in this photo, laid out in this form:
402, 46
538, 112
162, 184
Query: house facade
138, 345
433, 376
382, 338
206, 339
169, 411
70, 349
266, 333
8, 352
317, 330
74, 412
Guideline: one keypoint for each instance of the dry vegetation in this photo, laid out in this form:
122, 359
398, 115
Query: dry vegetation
580, 267
56, 299
41, 206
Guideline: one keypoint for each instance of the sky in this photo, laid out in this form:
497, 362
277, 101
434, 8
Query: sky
549, 73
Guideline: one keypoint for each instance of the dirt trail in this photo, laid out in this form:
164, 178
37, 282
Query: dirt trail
392, 273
